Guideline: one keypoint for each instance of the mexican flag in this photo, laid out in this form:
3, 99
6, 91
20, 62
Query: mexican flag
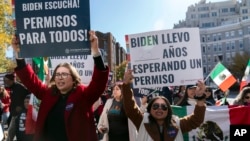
222, 77
246, 78
216, 125
41, 66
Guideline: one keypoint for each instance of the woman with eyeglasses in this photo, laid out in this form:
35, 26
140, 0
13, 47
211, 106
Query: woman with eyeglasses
65, 112
243, 98
159, 123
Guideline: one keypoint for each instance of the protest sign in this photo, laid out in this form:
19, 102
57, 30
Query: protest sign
84, 64
165, 57
52, 28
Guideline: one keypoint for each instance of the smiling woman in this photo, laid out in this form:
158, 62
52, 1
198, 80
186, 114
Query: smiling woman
65, 112
159, 123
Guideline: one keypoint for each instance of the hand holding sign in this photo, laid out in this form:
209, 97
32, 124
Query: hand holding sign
199, 93
94, 43
128, 76
16, 45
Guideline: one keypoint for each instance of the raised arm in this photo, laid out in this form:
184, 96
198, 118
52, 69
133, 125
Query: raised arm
130, 106
195, 119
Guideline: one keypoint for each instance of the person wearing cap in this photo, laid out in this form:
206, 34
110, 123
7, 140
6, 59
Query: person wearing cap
188, 98
18, 92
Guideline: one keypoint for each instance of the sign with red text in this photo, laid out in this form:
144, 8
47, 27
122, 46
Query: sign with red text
165, 57
52, 28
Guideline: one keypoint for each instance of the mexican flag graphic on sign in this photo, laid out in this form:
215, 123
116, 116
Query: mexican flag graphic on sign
222, 77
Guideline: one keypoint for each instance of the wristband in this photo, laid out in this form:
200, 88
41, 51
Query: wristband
200, 97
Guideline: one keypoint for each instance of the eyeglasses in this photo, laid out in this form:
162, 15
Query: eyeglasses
156, 106
247, 97
207, 90
62, 75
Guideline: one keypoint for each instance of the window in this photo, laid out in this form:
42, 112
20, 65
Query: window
215, 59
224, 10
203, 49
208, 58
219, 36
232, 33
208, 37
208, 47
227, 35
232, 9
244, 17
244, 11
240, 32
214, 14
203, 39
219, 47
215, 47
204, 70
233, 45
214, 37
241, 44
228, 46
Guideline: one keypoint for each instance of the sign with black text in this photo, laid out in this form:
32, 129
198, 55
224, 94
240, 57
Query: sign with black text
53, 28
84, 65
165, 57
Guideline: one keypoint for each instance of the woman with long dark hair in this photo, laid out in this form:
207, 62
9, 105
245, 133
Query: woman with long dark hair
159, 123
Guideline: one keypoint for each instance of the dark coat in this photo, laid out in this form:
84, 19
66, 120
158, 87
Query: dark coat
79, 118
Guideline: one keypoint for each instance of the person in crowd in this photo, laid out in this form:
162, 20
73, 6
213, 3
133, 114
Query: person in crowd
18, 92
21, 134
65, 112
113, 118
5, 106
180, 93
218, 94
221, 97
159, 123
168, 93
144, 104
188, 98
209, 96
98, 108
243, 98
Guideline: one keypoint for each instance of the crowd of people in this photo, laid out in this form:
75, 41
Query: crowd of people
71, 111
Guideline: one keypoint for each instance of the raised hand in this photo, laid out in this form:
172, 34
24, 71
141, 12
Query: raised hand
16, 45
94, 43
128, 76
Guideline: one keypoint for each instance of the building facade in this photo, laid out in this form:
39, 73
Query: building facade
113, 54
224, 30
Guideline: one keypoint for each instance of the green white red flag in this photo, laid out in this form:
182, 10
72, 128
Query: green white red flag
40, 66
246, 78
216, 125
222, 77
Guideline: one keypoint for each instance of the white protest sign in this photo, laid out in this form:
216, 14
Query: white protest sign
84, 64
165, 57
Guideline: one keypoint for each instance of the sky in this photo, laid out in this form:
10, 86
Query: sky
124, 17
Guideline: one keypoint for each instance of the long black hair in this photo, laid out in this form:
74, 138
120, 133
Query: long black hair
169, 115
